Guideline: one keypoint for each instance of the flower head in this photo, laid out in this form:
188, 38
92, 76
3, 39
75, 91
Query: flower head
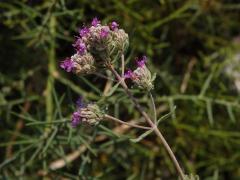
141, 76
84, 31
95, 22
84, 64
89, 113
114, 26
104, 32
96, 44
68, 65
141, 61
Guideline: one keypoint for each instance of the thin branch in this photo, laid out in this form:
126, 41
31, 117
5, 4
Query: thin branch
187, 75
148, 119
126, 123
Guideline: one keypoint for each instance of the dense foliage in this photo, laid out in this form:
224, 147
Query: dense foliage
193, 46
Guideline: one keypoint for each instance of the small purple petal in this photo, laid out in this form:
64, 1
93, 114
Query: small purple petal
80, 46
141, 62
95, 22
114, 26
129, 74
76, 118
67, 65
77, 42
84, 31
104, 32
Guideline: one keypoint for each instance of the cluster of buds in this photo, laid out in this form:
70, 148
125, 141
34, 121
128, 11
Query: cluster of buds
94, 46
141, 76
86, 113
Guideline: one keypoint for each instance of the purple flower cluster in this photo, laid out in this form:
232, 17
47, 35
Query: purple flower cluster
140, 64
86, 39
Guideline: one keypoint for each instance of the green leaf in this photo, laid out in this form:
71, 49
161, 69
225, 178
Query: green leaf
209, 112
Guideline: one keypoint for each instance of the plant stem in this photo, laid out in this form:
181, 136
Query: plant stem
144, 114
126, 123
51, 70
123, 64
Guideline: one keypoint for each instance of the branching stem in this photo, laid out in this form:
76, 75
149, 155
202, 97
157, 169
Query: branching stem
148, 119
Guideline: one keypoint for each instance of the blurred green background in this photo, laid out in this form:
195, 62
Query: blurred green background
193, 46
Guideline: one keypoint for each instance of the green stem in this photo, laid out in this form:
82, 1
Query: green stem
51, 70
148, 119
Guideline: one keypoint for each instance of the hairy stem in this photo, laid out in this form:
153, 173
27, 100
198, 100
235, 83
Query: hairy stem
126, 123
148, 119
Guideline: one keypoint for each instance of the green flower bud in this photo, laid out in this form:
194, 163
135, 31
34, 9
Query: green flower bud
91, 114
143, 78
84, 64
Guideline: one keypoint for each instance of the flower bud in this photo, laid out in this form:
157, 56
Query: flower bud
84, 64
86, 113
91, 114
142, 77
97, 42
120, 40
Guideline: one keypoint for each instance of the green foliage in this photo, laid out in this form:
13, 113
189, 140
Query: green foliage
189, 44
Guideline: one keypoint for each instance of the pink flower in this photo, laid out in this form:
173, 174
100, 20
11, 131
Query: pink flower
95, 22
76, 118
104, 32
68, 65
141, 61
129, 74
84, 31
114, 26
80, 46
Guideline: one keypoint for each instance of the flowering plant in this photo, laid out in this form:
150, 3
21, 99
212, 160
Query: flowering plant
99, 47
